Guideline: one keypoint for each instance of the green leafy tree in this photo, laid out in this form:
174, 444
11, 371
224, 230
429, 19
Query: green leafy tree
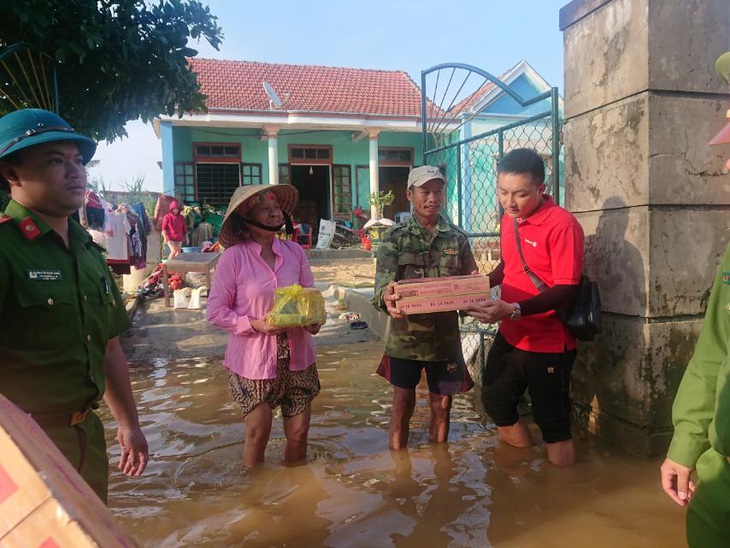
116, 60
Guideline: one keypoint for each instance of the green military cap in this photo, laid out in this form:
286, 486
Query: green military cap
33, 126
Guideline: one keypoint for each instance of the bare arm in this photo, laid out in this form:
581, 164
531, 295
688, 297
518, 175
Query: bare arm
118, 396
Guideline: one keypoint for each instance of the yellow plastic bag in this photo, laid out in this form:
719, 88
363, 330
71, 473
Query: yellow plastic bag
297, 306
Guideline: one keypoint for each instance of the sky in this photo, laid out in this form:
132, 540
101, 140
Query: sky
408, 35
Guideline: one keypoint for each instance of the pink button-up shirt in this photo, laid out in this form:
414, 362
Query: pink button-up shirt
243, 290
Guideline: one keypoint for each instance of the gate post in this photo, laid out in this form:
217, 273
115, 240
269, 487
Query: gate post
641, 102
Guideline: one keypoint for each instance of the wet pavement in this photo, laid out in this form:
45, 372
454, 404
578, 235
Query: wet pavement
354, 491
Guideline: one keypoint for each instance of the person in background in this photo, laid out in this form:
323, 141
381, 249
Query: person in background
425, 246
174, 230
268, 366
61, 314
533, 349
701, 417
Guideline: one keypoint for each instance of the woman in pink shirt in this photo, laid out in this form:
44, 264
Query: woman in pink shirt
268, 366
174, 229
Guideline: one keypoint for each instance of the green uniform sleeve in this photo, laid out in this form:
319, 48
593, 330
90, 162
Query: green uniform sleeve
703, 393
720, 432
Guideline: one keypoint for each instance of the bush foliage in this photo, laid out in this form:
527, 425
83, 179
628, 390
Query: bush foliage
116, 60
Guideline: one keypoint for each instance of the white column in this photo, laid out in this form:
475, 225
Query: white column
273, 143
374, 182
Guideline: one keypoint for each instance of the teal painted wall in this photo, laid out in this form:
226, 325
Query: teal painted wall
255, 150
526, 89
184, 137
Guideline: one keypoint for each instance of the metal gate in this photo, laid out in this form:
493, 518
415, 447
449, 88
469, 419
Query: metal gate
28, 79
471, 120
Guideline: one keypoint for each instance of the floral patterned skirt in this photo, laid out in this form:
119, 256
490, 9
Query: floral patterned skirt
292, 390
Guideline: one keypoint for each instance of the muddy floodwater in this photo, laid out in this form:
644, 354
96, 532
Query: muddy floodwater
353, 492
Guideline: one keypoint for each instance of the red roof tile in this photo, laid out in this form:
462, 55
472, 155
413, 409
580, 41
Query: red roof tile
238, 85
471, 101
485, 88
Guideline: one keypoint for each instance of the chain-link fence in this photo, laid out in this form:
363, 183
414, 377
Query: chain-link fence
466, 139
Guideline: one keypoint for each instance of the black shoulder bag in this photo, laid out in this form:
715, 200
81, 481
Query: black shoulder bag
582, 316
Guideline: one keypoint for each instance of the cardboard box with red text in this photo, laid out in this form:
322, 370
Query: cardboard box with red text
43, 500
441, 294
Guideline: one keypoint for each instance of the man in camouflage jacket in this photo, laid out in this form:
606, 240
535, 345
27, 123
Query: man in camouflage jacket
426, 246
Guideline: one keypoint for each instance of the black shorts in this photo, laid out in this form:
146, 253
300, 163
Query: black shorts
443, 377
546, 376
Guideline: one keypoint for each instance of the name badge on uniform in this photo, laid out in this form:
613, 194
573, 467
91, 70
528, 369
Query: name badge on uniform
44, 275
726, 277
105, 285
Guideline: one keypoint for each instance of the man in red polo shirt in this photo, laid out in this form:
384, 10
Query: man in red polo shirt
533, 350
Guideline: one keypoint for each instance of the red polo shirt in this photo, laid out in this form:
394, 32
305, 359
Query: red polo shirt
552, 243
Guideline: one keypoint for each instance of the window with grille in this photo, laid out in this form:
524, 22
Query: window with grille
342, 193
217, 151
218, 172
185, 181
310, 154
216, 182
250, 174
394, 156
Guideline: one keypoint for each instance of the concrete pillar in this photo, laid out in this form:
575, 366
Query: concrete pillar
374, 181
641, 102
168, 158
271, 135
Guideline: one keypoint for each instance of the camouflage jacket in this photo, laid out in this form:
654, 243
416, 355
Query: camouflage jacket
409, 251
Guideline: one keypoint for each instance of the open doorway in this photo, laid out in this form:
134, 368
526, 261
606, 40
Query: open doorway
395, 179
313, 184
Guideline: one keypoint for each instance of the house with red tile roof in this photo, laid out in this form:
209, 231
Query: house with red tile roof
337, 134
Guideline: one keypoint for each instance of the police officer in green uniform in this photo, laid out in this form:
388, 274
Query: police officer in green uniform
426, 246
701, 417
61, 313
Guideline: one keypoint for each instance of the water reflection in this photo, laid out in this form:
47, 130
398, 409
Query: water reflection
354, 491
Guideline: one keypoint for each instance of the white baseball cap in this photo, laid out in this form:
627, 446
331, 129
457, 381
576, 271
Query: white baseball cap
421, 175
